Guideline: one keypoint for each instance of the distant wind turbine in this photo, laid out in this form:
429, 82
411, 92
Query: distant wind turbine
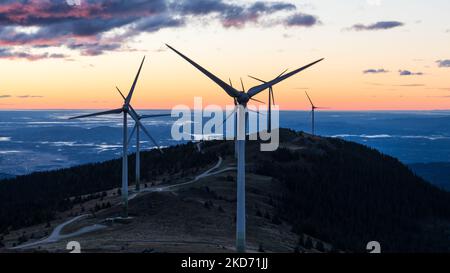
126, 110
270, 101
313, 110
241, 98
136, 129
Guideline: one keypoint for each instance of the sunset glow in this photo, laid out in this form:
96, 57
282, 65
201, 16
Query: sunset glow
379, 55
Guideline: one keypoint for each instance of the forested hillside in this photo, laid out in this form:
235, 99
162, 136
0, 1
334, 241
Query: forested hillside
344, 193
348, 194
35, 198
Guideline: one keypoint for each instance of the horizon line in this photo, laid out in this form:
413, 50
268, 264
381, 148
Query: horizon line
286, 110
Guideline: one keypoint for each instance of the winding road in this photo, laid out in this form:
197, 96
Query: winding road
56, 235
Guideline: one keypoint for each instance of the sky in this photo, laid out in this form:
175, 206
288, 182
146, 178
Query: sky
379, 54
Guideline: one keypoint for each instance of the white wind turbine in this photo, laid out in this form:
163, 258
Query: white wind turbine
313, 111
136, 129
126, 110
271, 100
242, 98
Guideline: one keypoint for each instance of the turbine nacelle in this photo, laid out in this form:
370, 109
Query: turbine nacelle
243, 98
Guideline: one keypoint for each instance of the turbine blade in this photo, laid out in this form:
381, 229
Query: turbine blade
257, 89
109, 112
141, 126
135, 116
282, 73
231, 84
155, 116
131, 135
272, 95
130, 94
120, 92
312, 104
243, 87
133, 113
265, 81
227, 88
229, 116
257, 100
256, 79
253, 111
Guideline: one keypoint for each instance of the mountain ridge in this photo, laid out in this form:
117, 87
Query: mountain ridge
312, 194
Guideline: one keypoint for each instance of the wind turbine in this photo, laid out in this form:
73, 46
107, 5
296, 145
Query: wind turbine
313, 110
126, 110
136, 129
271, 100
242, 98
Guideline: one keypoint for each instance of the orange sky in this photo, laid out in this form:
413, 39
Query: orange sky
87, 82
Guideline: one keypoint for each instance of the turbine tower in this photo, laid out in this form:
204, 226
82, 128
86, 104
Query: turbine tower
126, 110
242, 98
313, 111
270, 101
136, 130
234, 112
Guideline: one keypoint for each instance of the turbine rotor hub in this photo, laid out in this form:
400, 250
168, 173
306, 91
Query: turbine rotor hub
243, 98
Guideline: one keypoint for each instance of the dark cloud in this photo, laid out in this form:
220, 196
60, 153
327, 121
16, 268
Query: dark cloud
20, 97
28, 97
204, 7
57, 56
301, 19
443, 63
411, 85
11, 55
231, 14
397, 85
95, 48
378, 26
83, 27
239, 16
375, 71
409, 73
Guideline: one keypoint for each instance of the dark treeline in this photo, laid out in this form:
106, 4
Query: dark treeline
338, 191
35, 198
349, 195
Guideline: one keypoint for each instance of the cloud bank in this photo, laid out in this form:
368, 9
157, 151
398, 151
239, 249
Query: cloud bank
382, 25
8, 54
98, 26
20, 97
409, 73
443, 63
375, 71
